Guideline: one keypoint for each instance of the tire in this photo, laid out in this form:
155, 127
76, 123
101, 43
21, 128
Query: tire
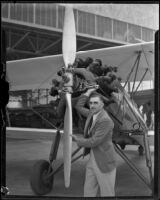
122, 145
39, 184
141, 150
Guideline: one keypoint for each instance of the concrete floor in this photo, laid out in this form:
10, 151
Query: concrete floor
22, 152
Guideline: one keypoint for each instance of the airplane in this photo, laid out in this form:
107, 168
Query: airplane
135, 62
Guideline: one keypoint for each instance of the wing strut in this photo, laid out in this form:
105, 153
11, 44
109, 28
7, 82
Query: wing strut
137, 58
132, 166
145, 139
141, 80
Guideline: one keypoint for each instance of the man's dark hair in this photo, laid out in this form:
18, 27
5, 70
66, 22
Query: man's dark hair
96, 94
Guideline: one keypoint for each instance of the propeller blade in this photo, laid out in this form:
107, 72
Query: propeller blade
67, 140
69, 37
69, 53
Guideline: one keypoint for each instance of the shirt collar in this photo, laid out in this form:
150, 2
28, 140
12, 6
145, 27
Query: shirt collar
95, 115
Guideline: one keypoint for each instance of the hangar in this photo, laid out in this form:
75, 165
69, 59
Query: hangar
35, 29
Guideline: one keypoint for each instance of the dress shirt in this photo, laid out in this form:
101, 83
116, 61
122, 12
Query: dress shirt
95, 116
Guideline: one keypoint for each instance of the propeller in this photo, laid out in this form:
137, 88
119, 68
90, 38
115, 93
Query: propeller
69, 53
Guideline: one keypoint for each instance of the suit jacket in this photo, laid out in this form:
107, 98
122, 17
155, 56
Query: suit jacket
101, 137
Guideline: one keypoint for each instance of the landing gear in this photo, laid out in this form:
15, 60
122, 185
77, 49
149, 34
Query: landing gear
41, 182
42, 174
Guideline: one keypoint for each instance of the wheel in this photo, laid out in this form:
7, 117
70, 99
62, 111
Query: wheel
140, 150
40, 183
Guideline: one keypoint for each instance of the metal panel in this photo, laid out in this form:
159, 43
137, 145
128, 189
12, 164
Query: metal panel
147, 34
30, 11
37, 14
50, 15
13, 11
60, 16
135, 30
119, 30
46, 14
104, 27
86, 23
22, 12
4, 9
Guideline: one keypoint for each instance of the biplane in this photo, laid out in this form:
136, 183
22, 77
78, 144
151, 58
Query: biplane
134, 63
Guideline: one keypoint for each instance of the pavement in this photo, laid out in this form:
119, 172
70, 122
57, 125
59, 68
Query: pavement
24, 149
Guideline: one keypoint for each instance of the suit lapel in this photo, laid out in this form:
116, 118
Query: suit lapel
87, 150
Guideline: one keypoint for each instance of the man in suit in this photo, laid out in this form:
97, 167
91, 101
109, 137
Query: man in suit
101, 167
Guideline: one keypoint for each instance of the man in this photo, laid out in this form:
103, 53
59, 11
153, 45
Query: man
101, 167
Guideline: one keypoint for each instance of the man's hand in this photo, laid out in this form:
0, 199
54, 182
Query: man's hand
89, 91
74, 137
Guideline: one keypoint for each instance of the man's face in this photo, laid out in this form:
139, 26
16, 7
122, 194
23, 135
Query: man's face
95, 104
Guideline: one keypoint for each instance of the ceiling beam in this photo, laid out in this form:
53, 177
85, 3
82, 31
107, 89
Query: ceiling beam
51, 45
20, 40
31, 43
84, 46
12, 51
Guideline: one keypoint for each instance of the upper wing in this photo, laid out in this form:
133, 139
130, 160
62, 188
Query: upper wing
38, 72
33, 73
124, 58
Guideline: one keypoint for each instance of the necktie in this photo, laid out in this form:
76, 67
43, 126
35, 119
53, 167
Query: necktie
89, 127
88, 135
